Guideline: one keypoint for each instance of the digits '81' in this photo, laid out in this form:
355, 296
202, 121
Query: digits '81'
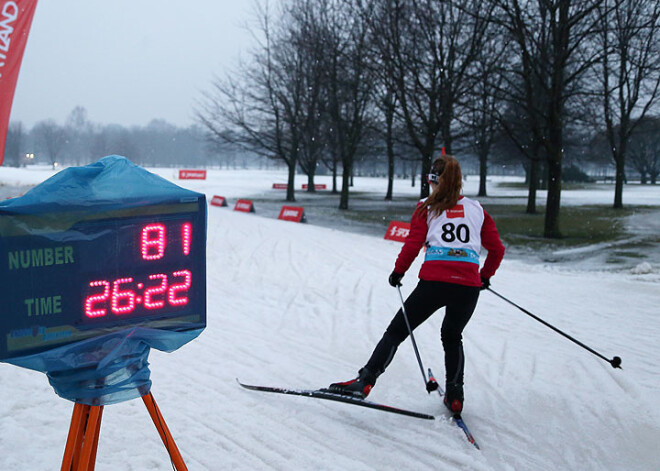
153, 240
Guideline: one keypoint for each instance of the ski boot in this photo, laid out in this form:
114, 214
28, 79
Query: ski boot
359, 387
454, 398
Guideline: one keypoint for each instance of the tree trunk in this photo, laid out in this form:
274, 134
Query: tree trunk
290, 193
554, 196
620, 179
310, 182
483, 172
426, 169
390, 175
390, 157
345, 183
334, 179
533, 185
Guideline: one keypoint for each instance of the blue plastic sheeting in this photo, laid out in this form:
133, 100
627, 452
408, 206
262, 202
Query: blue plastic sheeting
111, 183
105, 370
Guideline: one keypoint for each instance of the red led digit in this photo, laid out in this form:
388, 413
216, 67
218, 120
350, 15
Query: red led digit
149, 293
90, 310
116, 304
186, 237
153, 241
180, 287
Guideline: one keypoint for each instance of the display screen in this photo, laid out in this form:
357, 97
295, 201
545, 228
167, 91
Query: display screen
142, 267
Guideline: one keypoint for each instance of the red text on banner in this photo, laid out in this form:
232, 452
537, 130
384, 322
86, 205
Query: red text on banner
218, 200
244, 205
292, 213
192, 174
15, 20
398, 231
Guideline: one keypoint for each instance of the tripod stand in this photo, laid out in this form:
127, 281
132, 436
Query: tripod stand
83, 438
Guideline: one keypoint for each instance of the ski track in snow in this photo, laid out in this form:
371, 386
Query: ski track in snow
301, 306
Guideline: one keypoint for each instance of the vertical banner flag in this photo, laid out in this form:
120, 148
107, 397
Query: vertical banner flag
15, 20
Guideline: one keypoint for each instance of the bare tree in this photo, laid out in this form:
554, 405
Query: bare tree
259, 105
518, 128
430, 46
556, 63
121, 141
15, 138
387, 103
52, 138
348, 80
629, 73
484, 100
80, 131
308, 37
385, 99
644, 149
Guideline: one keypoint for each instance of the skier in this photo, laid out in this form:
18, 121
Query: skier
453, 228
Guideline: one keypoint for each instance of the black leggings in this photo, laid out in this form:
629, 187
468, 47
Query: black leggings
428, 297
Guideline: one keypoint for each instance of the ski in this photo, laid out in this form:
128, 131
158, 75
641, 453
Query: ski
325, 394
458, 420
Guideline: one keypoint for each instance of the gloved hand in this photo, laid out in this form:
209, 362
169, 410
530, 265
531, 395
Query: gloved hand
485, 283
395, 279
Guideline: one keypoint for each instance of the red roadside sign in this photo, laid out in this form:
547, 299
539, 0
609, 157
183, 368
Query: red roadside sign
245, 206
218, 200
280, 186
292, 213
398, 230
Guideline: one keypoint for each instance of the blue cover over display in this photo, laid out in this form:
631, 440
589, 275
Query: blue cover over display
110, 365
105, 370
112, 182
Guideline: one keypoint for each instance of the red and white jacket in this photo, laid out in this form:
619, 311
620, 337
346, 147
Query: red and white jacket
453, 243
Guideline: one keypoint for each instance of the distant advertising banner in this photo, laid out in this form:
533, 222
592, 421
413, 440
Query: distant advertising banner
15, 21
192, 174
317, 186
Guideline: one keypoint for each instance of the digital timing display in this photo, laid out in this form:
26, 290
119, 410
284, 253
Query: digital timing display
138, 292
145, 266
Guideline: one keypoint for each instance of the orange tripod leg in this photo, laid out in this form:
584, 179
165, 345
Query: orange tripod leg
96, 441
74, 440
83, 439
164, 432
91, 440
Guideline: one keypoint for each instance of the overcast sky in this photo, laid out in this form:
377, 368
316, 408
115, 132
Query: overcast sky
127, 61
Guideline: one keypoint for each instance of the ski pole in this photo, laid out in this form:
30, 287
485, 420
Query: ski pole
431, 385
615, 362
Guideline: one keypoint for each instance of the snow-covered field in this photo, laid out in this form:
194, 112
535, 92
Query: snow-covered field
299, 305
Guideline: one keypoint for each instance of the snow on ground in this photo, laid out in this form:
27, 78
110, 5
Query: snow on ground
299, 305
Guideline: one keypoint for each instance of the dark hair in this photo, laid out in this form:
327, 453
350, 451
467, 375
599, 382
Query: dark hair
448, 190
